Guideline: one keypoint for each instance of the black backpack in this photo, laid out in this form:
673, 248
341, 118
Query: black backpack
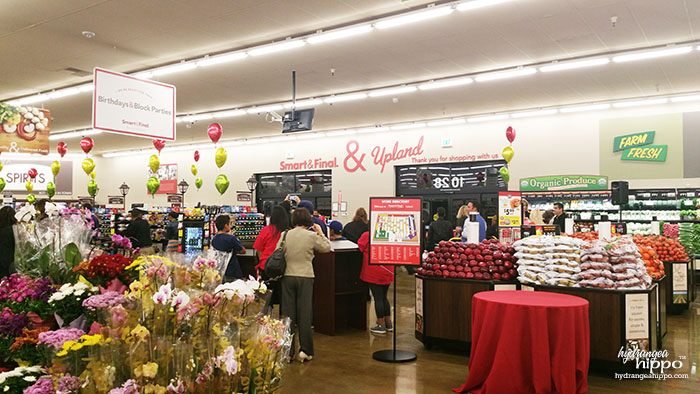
276, 264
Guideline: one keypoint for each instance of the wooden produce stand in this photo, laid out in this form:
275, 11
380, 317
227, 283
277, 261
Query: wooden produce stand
618, 319
444, 308
681, 286
340, 297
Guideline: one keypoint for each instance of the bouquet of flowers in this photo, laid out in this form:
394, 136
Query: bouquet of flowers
103, 269
23, 348
11, 326
23, 294
20, 378
67, 303
50, 245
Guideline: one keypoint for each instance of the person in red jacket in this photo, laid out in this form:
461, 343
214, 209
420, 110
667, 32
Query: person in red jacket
266, 242
378, 277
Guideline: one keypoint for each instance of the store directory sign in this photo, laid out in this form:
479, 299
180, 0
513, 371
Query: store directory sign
395, 231
139, 107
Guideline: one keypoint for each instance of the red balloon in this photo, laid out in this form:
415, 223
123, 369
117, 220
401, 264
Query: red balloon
33, 173
215, 130
510, 134
86, 144
159, 144
62, 148
196, 155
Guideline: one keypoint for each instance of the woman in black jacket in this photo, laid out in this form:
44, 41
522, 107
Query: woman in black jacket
359, 225
7, 240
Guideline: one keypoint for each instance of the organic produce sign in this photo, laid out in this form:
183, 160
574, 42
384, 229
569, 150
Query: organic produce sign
395, 231
563, 182
24, 129
509, 209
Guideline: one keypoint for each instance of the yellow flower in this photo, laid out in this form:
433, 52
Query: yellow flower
154, 389
140, 332
76, 347
91, 340
61, 353
148, 370
135, 264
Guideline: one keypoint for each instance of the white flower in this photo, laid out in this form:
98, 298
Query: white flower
166, 289
159, 298
229, 360
238, 289
26, 213
65, 287
79, 293
7, 388
58, 296
51, 209
181, 299
30, 378
80, 286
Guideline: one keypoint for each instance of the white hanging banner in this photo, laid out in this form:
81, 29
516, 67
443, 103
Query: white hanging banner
138, 107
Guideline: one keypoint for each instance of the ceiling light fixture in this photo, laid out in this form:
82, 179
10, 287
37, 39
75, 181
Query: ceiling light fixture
33, 99
448, 122
264, 108
682, 99
175, 68
653, 54
487, 118
446, 83
407, 126
471, 5
584, 108
225, 58
194, 118
276, 47
638, 103
73, 134
338, 34
62, 93
519, 72
429, 13
575, 64
539, 112
308, 136
345, 97
228, 114
304, 103
373, 129
392, 91
341, 132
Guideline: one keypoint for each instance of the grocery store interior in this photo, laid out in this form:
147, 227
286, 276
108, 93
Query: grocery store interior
527, 169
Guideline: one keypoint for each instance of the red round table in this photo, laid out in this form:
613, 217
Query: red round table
528, 342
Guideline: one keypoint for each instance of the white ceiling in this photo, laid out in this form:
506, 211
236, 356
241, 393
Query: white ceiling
42, 39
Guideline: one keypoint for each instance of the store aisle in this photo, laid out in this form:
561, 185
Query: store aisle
344, 364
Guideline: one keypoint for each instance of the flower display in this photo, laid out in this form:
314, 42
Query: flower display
67, 302
105, 300
56, 339
42, 386
102, 269
15, 381
121, 242
24, 346
24, 294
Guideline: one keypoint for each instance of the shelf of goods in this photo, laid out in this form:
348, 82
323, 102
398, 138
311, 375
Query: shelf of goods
627, 306
247, 226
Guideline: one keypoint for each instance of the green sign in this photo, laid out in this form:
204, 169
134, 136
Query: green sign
624, 142
564, 183
646, 153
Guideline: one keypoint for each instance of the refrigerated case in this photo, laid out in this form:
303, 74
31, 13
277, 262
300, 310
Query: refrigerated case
193, 236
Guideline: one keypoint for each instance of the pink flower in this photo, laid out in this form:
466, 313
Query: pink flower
95, 328
119, 315
57, 338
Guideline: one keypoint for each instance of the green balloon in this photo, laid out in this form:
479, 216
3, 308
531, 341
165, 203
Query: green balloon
92, 188
51, 189
505, 175
198, 183
2, 184
153, 184
222, 183
31, 198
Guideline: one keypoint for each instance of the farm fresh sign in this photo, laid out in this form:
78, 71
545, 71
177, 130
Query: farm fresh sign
637, 147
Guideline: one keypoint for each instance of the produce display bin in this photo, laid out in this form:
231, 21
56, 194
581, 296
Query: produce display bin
661, 296
618, 319
444, 307
680, 286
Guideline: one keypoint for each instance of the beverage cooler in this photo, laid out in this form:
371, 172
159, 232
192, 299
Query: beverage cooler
192, 240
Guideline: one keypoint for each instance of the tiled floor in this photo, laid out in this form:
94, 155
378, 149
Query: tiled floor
344, 364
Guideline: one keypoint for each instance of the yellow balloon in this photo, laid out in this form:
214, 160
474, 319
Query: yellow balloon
220, 157
93, 174
154, 163
55, 167
0, 166
507, 154
29, 186
194, 170
88, 166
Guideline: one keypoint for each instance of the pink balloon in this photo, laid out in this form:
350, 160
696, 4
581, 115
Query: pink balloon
196, 155
159, 144
510, 134
215, 130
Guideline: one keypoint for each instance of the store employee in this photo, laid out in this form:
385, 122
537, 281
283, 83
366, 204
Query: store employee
139, 231
473, 207
559, 216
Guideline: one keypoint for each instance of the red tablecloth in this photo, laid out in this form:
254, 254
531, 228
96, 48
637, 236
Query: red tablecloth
528, 342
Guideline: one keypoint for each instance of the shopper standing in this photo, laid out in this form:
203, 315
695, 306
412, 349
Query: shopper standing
298, 281
139, 231
223, 241
171, 232
462, 216
359, 224
473, 207
559, 216
7, 240
310, 207
378, 277
439, 230
335, 229
266, 242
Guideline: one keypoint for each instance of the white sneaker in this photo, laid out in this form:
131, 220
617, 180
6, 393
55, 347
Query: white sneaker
304, 357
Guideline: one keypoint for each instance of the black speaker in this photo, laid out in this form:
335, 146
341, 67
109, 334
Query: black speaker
620, 192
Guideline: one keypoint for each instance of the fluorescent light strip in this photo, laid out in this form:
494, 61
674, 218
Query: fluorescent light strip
63, 93
176, 68
338, 34
682, 99
304, 103
407, 126
228, 114
540, 112
471, 5
429, 13
375, 129
341, 132
277, 47
487, 118
584, 108
33, 99
73, 134
520, 72
446, 83
345, 97
225, 58
308, 136
637, 103
652, 54
392, 91
264, 108
86, 88
194, 118
285, 138
448, 122
575, 64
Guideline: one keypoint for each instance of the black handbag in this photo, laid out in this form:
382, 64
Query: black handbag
276, 264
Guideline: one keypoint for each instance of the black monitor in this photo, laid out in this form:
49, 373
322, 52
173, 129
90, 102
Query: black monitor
301, 121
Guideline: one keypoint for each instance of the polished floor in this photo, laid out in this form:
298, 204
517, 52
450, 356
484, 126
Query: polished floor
344, 364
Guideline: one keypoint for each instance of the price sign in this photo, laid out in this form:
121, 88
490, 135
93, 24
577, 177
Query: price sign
509, 209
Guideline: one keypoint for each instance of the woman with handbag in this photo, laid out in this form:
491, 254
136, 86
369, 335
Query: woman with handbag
269, 236
297, 284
